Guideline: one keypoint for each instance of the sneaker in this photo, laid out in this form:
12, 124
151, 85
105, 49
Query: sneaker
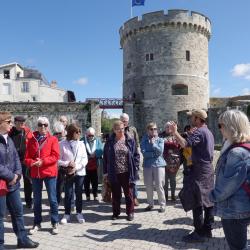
34, 229
65, 219
161, 210
148, 208
80, 218
136, 202
96, 199
194, 237
130, 217
114, 217
173, 198
55, 228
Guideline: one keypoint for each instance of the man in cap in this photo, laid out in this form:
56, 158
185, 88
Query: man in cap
20, 134
201, 176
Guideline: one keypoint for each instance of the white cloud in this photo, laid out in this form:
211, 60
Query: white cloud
82, 81
246, 91
216, 91
241, 70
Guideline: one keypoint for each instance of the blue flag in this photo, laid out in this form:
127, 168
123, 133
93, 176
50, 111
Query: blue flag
137, 2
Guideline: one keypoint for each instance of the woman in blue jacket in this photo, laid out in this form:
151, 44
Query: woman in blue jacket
154, 164
230, 196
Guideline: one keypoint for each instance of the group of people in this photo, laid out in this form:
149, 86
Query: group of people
70, 162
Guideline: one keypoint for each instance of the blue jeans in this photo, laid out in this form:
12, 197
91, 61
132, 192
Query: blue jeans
50, 183
235, 231
15, 207
135, 191
69, 188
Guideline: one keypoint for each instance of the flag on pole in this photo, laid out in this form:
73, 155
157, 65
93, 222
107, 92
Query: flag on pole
137, 2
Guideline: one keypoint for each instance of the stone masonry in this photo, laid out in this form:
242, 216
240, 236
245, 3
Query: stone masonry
165, 65
86, 114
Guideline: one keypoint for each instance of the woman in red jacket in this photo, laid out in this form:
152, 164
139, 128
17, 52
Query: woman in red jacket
41, 157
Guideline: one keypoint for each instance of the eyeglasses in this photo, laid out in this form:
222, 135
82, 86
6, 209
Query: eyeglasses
78, 132
219, 125
119, 129
152, 129
42, 125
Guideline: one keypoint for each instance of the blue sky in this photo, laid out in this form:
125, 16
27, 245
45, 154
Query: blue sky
77, 42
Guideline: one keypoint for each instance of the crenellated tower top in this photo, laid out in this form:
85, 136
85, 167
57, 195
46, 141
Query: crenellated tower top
175, 19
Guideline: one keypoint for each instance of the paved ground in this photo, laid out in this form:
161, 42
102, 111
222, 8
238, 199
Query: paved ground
149, 230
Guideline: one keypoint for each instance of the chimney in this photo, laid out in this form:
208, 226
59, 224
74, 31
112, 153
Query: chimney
53, 84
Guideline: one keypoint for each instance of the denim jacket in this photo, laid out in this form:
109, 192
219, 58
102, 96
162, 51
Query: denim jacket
152, 153
230, 199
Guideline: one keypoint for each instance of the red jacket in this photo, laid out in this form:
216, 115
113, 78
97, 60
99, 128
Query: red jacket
49, 153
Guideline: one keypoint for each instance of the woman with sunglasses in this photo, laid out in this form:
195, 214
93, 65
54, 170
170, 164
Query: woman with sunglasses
41, 157
154, 165
74, 160
231, 191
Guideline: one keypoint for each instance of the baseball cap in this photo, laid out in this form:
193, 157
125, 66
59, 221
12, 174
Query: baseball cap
19, 118
200, 113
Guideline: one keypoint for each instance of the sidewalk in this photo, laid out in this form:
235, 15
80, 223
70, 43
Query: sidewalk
149, 230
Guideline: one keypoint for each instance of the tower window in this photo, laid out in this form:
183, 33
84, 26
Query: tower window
149, 57
6, 74
129, 65
187, 55
179, 89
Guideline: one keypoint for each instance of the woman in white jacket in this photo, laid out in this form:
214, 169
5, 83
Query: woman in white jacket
73, 158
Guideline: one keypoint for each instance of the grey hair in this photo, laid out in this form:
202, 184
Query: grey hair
58, 127
167, 124
236, 125
124, 116
90, 131
43, 119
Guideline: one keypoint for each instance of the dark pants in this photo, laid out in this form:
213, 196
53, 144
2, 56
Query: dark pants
27, 186
91, 177
15, 207
172, 179
203, 222
235, 231
69, 190
60, 188
122, 182
50, 184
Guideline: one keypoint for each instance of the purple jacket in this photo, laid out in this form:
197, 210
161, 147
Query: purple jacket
9, 162
109, 159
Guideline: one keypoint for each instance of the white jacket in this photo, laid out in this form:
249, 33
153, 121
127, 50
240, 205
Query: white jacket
73, 151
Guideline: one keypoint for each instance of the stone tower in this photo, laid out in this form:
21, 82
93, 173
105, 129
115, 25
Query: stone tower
165, 65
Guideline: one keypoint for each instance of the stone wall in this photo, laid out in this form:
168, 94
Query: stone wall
86, 114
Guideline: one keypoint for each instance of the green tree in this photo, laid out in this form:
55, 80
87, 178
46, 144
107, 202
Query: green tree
107, 124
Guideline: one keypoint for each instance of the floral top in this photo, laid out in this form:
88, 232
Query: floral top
121, 157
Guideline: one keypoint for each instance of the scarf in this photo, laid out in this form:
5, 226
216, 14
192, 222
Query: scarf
90, 147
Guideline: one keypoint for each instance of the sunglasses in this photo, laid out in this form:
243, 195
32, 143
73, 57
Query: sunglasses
59, 133
90, 135
8, 121
78, 132
42, 125
152, 129
219, 125
119, 129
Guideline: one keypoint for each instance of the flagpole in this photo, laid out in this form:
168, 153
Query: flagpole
131, 10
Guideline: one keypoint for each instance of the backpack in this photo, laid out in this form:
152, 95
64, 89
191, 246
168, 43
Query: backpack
246, 183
